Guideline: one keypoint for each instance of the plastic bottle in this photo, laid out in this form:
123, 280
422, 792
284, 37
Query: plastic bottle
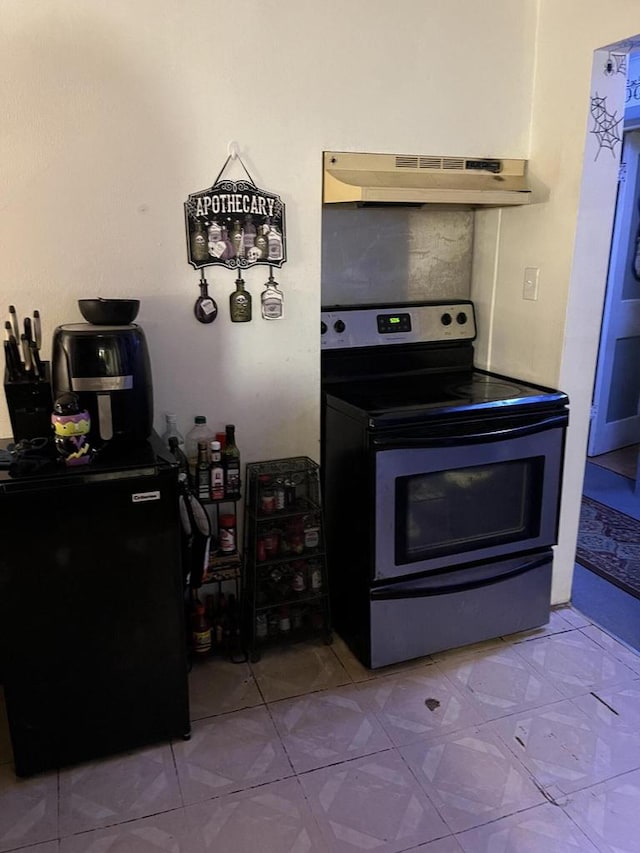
171, 429
199, 432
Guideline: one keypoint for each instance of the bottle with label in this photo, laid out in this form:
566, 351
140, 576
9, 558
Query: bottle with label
227, 533
231, 465
272, 299
240, 303
171, 430
274, 242
199, 248
261, 243
205, 308
215, 245
203, 478
228, 251
199, 432
216, 473
200, 630
237, 239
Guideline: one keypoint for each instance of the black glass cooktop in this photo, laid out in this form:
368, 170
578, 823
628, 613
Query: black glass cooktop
434, 393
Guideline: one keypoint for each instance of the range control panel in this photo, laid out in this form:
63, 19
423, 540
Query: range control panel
346, 327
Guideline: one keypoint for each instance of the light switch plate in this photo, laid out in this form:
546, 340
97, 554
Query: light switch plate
530, 284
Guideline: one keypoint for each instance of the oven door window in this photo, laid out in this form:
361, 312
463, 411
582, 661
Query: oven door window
439, 507
466, 509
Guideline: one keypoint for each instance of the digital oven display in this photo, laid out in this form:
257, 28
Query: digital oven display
390, 323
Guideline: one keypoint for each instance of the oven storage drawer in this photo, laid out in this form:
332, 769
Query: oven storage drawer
450, 609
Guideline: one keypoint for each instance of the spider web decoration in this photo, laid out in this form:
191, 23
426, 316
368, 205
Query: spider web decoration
616, 64
605, 127
620, 62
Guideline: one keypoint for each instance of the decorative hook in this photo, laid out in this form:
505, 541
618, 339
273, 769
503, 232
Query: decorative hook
232, 149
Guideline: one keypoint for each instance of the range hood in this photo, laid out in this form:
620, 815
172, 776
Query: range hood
423, 179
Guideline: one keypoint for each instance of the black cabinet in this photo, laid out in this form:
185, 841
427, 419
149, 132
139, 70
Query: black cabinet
286, 594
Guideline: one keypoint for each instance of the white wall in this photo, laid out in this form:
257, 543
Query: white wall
114, 111
544, 340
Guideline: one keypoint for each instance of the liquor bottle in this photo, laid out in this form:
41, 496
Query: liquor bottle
205, 308
237, 239
272, 299
200, 629
216, 472
171, 429
198, 432
274, 241
231, 465
181, 459
203, 478
240, 303
199, 248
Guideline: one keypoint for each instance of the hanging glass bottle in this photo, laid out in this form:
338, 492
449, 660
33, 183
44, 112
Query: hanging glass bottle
205, 308
272, 299
240, 303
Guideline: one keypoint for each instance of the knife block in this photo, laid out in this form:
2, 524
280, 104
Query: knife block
30, 403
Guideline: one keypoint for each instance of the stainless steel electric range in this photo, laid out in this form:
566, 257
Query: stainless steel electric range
441, 483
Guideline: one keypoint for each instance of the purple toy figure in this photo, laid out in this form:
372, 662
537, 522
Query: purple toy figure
71, 426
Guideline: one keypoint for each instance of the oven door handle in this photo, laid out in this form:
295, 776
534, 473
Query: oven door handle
384, 443
430, 586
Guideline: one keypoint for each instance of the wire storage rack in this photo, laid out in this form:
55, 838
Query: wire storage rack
286, 596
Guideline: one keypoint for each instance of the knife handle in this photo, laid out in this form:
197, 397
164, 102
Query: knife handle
37, 329
26, 353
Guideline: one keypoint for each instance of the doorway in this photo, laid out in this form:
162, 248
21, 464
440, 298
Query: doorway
606, 582
614, 435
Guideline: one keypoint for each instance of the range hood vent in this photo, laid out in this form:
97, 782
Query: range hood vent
423, 179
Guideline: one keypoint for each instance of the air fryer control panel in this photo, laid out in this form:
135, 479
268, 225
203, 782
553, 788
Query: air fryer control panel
347, 327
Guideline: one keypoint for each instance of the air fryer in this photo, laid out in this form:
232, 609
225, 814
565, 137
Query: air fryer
108, 367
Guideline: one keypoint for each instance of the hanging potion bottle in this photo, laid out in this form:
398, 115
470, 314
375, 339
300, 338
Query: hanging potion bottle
199, 247
237, 239
240, 303
205, 308
261, 243
272, 299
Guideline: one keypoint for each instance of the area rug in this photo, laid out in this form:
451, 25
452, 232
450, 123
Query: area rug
609, 545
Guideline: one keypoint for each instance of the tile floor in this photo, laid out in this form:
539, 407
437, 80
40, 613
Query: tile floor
524, 744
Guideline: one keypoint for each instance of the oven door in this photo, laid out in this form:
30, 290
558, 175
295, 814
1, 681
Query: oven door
442, 501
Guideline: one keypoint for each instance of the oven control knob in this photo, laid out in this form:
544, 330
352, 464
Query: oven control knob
323, 327
446, 319
461, 318
339, 326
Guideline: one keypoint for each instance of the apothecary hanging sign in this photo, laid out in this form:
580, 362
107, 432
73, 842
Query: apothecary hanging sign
236, 224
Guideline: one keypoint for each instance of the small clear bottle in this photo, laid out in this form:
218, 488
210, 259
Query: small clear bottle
199, 432
171, 430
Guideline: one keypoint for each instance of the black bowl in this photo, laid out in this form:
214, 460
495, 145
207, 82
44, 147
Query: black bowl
109, 312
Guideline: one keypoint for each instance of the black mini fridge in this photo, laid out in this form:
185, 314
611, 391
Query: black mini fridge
92, 645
